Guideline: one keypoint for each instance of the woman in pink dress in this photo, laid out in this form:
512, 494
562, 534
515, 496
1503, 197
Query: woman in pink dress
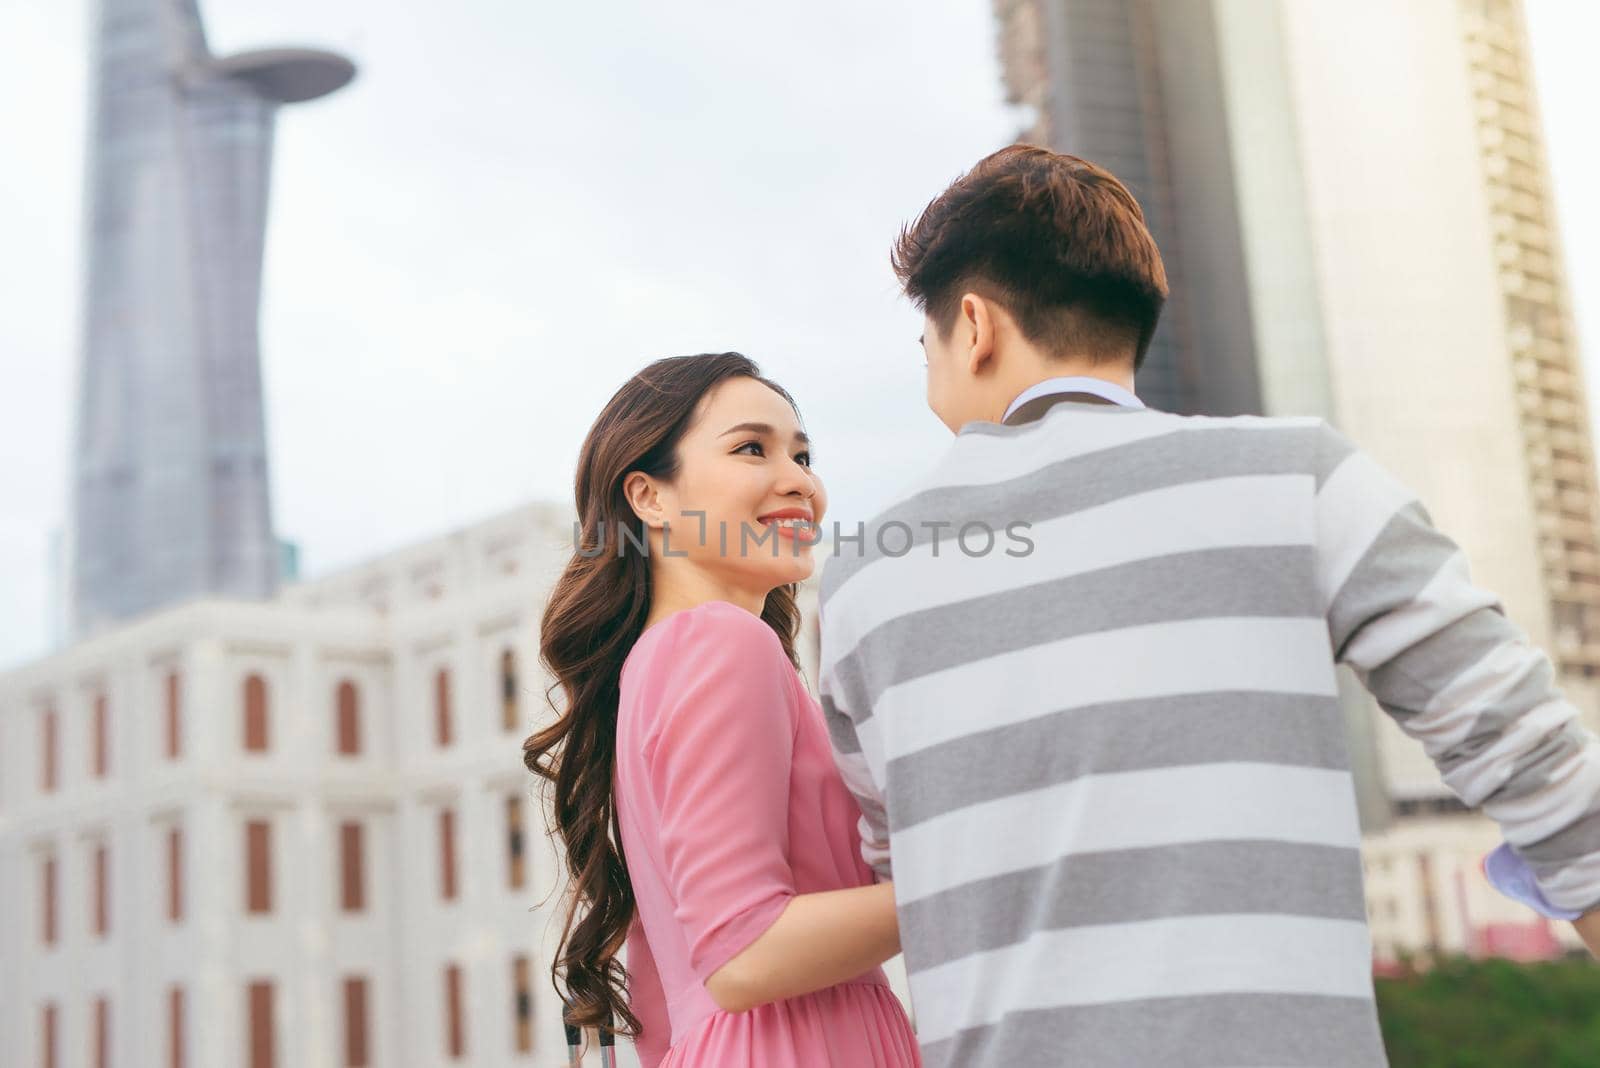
705, 825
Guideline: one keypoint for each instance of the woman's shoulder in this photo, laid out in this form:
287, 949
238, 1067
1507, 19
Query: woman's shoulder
715, 648
707, 679
719, 628
716, 638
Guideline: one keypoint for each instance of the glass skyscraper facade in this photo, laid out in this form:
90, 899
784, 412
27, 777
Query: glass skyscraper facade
1136, 86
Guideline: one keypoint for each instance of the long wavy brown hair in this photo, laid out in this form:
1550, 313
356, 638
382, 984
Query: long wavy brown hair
595, 614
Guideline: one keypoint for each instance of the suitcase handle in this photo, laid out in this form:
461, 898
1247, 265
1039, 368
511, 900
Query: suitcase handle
608, 1043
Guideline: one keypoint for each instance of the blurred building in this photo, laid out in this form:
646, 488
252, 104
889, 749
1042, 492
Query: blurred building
1353, 204
170, 494
1426, 894
56, 593
1136, 86
295, 832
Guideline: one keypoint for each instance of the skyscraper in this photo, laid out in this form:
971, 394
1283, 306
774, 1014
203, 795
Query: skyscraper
1355, 213
1445, 321
1135, 86
1354, 210
170, 495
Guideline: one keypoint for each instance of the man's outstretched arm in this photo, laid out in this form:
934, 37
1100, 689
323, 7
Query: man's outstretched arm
1443, 660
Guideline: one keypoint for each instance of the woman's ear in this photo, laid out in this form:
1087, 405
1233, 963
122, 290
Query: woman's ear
644, 497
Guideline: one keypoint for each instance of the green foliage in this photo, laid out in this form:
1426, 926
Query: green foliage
1494, 1014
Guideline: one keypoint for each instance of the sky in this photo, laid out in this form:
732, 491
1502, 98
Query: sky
516, 206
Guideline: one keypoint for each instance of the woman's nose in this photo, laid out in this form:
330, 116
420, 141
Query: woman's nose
797, 478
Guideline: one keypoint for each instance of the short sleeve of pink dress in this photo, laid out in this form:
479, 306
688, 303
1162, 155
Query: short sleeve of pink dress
729, 805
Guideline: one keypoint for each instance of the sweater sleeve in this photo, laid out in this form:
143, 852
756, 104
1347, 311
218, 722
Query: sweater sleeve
853, 736
1455, 673
718, 756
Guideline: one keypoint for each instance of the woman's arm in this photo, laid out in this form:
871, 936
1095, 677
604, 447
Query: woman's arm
818, 940
718, 759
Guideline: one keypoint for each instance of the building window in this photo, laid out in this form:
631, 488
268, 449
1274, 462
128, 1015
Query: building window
514, 842
175, 1027
174, 726
102, 876
441, 706
262, 1051
48, 748
47, 899
102, 1033
508, 690
352, 868
175, 874
355, 1022
1430, 806
455, 1034
349, 712
47, 1034
258, 866
101, 754
255, 714
522, 1004
447, 854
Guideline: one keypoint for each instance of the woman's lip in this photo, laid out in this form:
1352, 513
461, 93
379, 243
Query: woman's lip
806, 535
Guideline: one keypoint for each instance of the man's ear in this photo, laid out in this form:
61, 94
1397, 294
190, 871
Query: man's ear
644, 497
977, 322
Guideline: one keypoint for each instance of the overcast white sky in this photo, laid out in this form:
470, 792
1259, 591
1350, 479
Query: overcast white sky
515, 206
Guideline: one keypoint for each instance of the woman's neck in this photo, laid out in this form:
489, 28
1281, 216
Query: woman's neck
678, 589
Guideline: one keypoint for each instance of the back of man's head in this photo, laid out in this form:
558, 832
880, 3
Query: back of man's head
1056, 240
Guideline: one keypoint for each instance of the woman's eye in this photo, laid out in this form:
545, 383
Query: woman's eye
803, 457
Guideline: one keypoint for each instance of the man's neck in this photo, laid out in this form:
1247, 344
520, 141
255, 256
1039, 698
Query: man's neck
1106, 388
1118, 374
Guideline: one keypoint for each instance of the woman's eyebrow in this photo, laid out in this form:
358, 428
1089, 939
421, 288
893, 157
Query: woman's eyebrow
764, 429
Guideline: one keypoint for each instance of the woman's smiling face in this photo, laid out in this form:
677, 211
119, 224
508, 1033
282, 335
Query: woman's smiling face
745, 501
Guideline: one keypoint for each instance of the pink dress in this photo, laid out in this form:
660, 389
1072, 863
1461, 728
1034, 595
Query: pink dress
729, 804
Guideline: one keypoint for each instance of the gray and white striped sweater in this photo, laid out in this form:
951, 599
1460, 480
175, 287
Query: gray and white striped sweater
1112, 772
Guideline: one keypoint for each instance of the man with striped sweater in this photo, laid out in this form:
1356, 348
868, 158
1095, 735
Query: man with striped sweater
1082, 677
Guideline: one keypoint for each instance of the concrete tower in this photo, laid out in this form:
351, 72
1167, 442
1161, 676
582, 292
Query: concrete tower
1136, 86
170, 493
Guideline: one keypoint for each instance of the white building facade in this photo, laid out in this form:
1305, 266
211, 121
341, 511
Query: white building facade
293, 833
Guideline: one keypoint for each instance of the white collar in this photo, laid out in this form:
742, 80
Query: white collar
1075, 384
